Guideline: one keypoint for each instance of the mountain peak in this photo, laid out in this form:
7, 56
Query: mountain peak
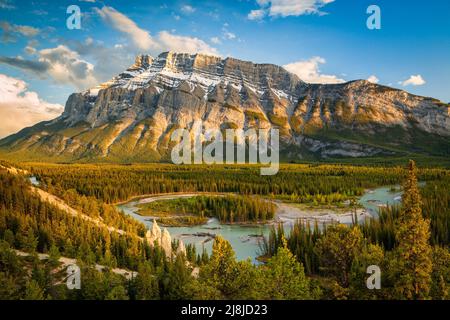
170, 69
142, 61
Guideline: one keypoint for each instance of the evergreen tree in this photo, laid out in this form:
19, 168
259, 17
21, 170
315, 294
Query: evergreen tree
232, 279
414, 264
372, 254
176, 279
54, 256
33, 291
440, 289
146, 283
337, 249
284, 277
117, 293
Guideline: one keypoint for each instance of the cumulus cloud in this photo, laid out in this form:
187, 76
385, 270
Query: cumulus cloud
413, 80
62, 64
67, 67
373, 79
285, 8
141, 38
20, 107
11, 31
309, 71
178, 43
108, 61
257, 14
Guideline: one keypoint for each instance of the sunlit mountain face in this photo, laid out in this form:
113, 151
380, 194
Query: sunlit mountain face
132, 116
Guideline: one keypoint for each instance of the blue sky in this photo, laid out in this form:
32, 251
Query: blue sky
320, 40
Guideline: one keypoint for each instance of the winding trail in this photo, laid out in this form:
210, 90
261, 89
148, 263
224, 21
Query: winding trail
62, 205
65, 262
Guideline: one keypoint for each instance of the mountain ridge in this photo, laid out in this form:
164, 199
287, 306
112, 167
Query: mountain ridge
131, 116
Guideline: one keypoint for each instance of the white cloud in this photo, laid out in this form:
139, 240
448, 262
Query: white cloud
226, 34
285, 8
309, 71
164, 41
65, 66
60, 63
373, 79
178, 43
187, 9
30, 50
229, 35
21, 108
414, 80
257, 14
11, 31
215, 40
140, 37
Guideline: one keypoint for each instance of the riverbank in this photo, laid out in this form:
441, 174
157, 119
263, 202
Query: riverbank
285, 212
246, 239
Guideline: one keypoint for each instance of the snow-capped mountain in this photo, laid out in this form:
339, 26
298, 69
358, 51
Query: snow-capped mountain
131, 117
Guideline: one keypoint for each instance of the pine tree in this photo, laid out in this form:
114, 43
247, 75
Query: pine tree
117, 293
146, 283
440, 289
337, 249
284, 277
54, 256
220, 272
414, 265
33, 291
234, 280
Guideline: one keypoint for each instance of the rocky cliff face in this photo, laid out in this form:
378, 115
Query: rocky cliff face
131, 117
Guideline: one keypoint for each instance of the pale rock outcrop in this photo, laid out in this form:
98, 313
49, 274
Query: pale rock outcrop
166, 242
181, 248
154, 234
162, 239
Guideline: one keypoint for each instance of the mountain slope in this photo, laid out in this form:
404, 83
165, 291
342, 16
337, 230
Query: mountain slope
131, 117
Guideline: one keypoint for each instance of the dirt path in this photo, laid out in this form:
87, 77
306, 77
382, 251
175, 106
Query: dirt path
65, 262
60, 204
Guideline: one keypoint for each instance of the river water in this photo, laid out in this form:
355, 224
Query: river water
245, 239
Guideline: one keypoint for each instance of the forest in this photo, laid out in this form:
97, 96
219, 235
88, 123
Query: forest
409, 242
300, 183
195, 210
